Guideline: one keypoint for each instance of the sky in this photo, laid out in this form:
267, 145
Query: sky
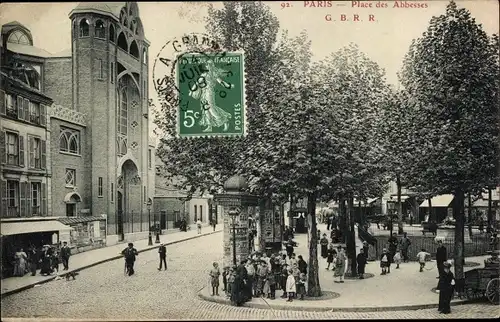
385, 39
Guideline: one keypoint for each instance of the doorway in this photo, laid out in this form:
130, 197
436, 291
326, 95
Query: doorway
70, 209
119, 221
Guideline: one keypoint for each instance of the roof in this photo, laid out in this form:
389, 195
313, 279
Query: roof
438, 201
106, 8
28, 50
13, 25
16, 228
24, 86
63, 53
78, 220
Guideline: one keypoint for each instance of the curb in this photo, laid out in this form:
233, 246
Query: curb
49, 279
412, 307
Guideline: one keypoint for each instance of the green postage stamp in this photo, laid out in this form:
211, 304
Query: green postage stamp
211, 94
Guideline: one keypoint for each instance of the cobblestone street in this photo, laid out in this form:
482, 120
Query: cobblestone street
104, 291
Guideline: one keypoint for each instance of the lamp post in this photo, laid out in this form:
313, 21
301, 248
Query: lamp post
150, 239
233, 213
157, 228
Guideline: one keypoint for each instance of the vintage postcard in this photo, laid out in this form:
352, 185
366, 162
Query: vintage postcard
241, 160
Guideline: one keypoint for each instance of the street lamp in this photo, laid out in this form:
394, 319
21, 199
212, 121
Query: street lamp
150, 239
233, 213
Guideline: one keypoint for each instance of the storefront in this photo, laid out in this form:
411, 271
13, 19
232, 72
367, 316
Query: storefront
87, 232
24, 233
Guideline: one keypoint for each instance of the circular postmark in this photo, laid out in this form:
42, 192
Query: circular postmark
204, 83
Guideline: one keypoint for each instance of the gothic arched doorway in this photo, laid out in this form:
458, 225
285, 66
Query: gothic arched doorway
128, 189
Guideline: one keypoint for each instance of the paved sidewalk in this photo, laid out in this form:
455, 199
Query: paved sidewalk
404, 288
94, 257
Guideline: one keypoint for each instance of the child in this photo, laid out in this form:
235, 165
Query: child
214, 275
224, 278
331, 253
397, 258
230, 281
271, 282
284, 277
301, 286
290, 286
384, 261
261, 275
421, 258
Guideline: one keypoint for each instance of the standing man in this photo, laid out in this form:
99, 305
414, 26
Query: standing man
411, 219
328, 223
405, 243
441, 257
130, 254
65, 254
361, 261
162, 251
393, 246
365, 250
446, 285
198, 224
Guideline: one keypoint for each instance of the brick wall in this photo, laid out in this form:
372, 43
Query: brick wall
58, 80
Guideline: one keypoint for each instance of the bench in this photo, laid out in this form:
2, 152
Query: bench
427, 228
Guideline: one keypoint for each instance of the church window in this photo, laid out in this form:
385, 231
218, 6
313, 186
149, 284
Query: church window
69, 141
100, 30
19, 37
84, 28
123, 117
122, 42
112, 33
134, 50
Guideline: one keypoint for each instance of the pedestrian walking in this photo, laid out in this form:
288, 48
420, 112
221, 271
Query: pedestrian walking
214, 279
162, 252
289, 248
198, 225
422, 257
361, 261
446, 285
324, 246
384, 261
331, 255
405, 243
214, 223
340, 265
65, 255
328, 223
291, 288
130, 254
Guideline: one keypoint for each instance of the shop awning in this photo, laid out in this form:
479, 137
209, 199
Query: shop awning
78, 220
438, 201
26, 227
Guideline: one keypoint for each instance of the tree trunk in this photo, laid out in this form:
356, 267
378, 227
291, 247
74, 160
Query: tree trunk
351, 242
429, 200
290, 212
458, 213
342, 219
490, 212
313, 289
469, 212
400, 205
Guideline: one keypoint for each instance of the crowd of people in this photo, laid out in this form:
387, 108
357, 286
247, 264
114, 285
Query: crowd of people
46, 258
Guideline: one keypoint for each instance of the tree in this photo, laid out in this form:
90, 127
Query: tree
204, 164
356, 89
452, 74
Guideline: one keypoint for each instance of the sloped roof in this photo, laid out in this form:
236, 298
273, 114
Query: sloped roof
63, 53
28, 50
11, 25
106, 8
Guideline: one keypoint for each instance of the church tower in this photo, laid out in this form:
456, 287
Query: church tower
110, 82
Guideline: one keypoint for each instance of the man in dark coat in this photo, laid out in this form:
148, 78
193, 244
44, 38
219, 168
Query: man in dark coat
446, 289
289, 248
33, 259
239, 289
361, 261
130, 254
162, 251
393, 246
441, 257
302, 265
365, 249
405, 243
65, 254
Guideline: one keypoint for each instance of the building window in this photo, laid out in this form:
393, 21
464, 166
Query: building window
12, 198
112, 72
69, 141
144, 56
19, 37
35, 197
84, 28
35, 152
11, 106
100, 69
12, 148
112, 192
201, 212
150, 162
100, 30
122, 42
34, 112
70, 178
112, 33
123, 117
195, 212
134, 49
99, 187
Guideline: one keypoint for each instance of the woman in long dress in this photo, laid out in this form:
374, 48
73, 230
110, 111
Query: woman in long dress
211, 114
46, 258
20, 267
324, 246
